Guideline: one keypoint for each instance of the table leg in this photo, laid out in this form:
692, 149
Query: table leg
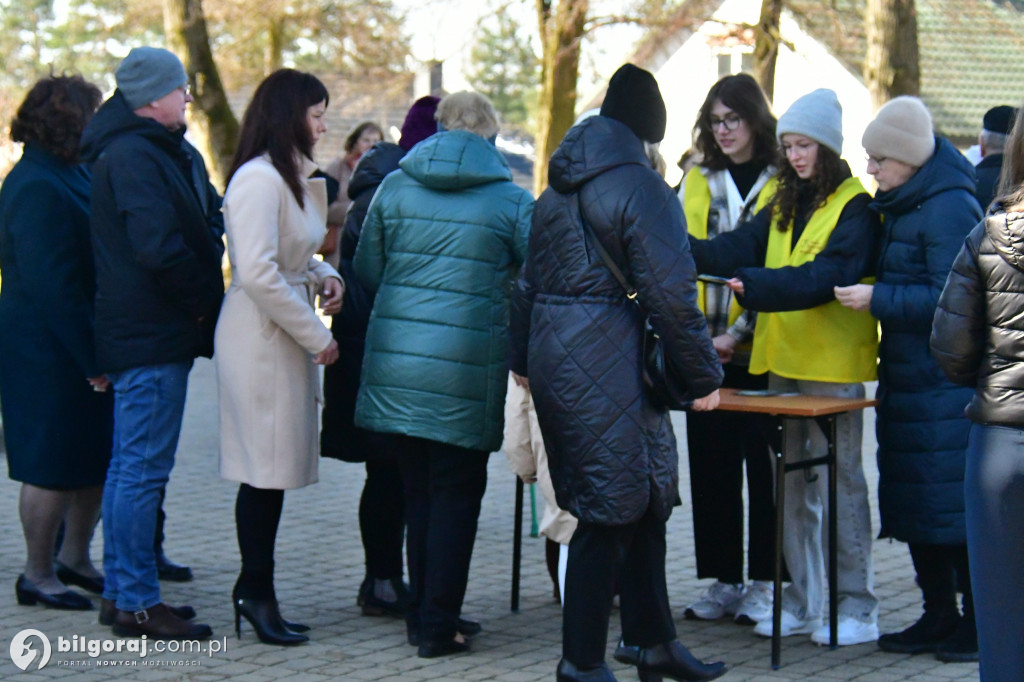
833, 537
517, 545
780, 503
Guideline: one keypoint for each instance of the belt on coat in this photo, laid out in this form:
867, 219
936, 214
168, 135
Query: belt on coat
304, 278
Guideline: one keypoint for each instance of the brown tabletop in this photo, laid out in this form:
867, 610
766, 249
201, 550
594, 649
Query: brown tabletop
791, 405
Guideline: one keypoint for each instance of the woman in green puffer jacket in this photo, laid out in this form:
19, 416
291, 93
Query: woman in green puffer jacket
443, 238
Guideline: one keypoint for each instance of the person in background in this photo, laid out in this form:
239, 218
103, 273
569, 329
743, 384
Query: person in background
735, 133
442, 241
157, 243
816, 234
926, 200
978, 340
359, 141
612, 452
995, 128
381, 512
268, 380
58, 411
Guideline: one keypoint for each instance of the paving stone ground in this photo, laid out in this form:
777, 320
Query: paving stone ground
320, 566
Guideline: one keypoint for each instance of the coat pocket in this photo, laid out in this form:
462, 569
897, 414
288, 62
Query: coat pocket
267, 327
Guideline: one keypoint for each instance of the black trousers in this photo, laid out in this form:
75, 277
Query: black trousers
633, 555
443, 485
382, 519
942, 571
719, 445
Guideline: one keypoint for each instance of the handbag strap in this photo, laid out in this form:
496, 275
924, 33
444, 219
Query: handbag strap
605, 256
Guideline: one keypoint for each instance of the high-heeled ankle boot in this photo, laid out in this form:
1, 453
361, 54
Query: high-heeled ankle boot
567, 672
674, 661
265, 618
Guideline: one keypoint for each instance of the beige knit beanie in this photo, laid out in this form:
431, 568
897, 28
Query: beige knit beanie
902, 130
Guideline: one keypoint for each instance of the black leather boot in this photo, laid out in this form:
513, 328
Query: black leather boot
567, 672
930, 630
265, 618
674, 661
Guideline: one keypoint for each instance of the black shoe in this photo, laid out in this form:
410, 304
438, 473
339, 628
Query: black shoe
28, 595
435, 649
630, 655
925, 635
265, 618
961, 646
372, 605
108, 612
70, 577
567, 672
158, 622
674, 661
466, 628
170, 571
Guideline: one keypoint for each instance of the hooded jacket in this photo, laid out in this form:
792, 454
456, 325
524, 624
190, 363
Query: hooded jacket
157, 241
921, 430
442, 241
578, 338
978, 331
339, 437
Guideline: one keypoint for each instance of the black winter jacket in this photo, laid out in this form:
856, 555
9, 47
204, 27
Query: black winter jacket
340, 438
987, 174
978, 333
157, 241
921, 430
612, 455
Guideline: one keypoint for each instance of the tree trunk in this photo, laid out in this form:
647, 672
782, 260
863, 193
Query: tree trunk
273, 58
561, 33
213, 124
766, 45
891, 65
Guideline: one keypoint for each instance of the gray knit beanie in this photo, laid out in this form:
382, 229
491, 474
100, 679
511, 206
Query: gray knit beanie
817, 115
147, 74
902, 130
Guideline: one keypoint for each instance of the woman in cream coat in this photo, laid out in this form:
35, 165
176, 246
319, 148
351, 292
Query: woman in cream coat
269, 335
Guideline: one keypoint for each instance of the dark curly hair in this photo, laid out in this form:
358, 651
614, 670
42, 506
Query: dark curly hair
829, 173
54, 115
275, 123
742, 94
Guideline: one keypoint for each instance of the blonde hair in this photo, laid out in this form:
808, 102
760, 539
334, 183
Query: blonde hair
469, 111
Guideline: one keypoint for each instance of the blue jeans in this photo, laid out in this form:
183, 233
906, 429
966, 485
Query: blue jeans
148, 406
994, 500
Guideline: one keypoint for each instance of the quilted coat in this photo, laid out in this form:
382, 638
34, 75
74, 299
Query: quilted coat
443, 239
978, 335
921, 428
578, 338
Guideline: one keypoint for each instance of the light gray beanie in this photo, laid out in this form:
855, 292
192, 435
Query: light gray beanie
147, 74
819, 116
902, 130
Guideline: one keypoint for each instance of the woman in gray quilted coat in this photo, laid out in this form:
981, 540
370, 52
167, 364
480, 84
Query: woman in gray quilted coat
578, 340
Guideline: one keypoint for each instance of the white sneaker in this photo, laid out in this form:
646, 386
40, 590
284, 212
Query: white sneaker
756, 604
791, 625
721, 599
849, 631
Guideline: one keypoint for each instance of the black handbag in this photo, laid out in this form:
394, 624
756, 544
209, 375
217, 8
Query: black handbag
663, 385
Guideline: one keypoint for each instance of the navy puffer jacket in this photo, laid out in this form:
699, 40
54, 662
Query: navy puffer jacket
612, 454
921, 428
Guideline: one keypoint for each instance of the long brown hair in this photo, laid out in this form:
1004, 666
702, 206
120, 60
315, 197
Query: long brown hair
829, 173
275, 124
742, 94
1011, 182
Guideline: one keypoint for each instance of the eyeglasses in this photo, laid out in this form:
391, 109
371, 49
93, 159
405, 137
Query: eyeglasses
730, 122
877, 160
187, 89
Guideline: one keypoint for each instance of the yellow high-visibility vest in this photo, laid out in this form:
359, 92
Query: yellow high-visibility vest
829, 342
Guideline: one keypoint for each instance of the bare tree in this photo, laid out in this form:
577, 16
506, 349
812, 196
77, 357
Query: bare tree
212, 122
892, 63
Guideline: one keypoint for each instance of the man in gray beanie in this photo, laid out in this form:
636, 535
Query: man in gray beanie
157, 242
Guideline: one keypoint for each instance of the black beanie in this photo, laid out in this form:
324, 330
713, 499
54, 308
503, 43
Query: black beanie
633, 98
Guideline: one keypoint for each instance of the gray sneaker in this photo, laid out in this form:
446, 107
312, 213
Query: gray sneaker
756, 604
721, 599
